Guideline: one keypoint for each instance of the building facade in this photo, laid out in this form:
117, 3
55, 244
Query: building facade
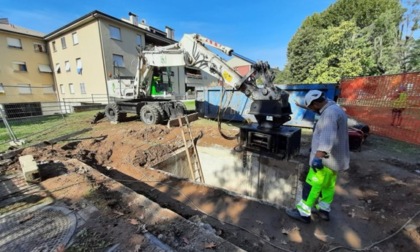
26, 76
95, 48
75, 64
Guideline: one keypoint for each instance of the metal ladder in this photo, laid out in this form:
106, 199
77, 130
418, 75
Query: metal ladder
196, 170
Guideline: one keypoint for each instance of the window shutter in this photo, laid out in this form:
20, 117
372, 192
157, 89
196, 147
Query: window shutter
14, 42
44, 69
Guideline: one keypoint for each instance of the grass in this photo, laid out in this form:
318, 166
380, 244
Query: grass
190, 104
36, 130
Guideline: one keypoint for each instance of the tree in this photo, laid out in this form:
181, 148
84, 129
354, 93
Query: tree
303, 53
352, 37
281, 76
384, 36
343, 54
409, 26
414, 59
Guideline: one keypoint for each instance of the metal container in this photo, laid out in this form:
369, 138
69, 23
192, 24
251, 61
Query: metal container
236, 105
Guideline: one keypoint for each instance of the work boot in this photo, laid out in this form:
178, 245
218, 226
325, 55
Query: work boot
294, 213
321, 213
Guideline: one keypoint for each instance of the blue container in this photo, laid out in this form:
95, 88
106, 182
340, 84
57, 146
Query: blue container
237, 104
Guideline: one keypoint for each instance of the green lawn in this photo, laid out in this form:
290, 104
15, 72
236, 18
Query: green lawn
35, 130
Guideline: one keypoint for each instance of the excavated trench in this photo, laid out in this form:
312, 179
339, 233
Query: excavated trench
153, 162
226, 172
264, 178
246, 174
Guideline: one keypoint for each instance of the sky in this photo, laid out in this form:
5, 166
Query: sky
255, 29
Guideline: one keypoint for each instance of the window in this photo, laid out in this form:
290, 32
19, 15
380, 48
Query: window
2, 88
14, 43
62, 90
115, 32
67, 66
19, 66
118, 60
53, 46
25, 89
39, 47
82, 88
48, 89
44, 69
57, 68
71, 88
63, 43
138, 40
17, 110
75, 38
79, 66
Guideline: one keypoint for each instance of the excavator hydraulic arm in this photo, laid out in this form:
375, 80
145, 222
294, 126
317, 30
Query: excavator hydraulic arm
270, 104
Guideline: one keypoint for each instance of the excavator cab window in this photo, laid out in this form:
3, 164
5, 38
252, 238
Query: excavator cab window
161, 81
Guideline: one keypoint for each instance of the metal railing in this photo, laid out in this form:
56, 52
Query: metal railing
27, 123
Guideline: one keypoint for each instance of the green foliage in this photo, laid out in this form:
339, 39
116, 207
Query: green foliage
341, 50
354, 37
281, 76
414, 59
303, 53
362, 12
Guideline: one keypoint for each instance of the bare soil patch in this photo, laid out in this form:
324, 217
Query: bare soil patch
374, 199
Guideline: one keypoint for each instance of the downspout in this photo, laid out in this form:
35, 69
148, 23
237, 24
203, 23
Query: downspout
103, 56
57, 90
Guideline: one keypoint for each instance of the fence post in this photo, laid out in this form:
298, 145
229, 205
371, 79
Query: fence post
65, 105
12, 135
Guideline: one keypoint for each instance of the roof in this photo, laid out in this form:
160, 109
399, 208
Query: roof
97, 14
20, 30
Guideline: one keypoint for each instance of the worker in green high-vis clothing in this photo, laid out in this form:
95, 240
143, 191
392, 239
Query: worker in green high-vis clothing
155, 81
329, 155
399, 104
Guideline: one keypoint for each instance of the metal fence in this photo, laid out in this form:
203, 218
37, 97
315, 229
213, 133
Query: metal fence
371, 99
28, 123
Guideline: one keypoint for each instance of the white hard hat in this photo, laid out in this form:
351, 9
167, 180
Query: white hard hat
311, 96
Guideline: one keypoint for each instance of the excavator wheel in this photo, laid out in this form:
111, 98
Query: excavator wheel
112, 112
161, 111
180, 109
150, 115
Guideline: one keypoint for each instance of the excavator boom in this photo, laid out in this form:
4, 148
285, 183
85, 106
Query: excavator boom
270, 104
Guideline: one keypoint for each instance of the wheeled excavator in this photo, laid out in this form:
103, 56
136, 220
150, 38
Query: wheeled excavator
270, 104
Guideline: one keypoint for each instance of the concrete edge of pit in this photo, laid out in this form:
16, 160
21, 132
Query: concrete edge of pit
153, 211
231, 193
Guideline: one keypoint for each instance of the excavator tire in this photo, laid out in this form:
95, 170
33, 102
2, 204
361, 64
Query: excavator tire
150, 115
180, 109
112, 112
161, 111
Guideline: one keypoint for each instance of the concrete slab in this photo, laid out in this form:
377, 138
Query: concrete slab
29, 168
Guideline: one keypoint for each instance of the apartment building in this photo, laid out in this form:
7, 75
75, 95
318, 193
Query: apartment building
26, 77
89, 51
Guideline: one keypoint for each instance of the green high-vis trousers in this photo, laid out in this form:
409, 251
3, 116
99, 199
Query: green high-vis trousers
319, 187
